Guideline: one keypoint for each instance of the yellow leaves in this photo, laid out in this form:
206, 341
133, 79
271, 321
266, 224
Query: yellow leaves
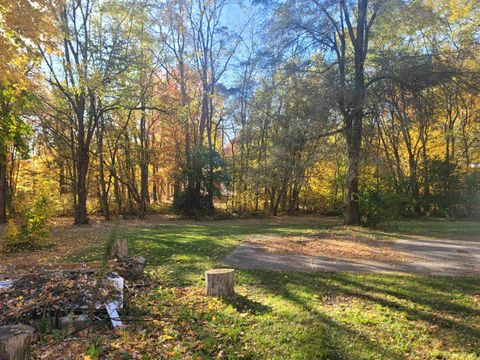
455, 10
19, 301
166, 337
20, 35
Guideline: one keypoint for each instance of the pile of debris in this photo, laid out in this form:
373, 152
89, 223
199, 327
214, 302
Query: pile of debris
64, 295
38, 291
38, 294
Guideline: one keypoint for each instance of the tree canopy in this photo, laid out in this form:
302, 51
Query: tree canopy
367, 108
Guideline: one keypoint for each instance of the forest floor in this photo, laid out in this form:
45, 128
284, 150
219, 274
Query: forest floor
275, 314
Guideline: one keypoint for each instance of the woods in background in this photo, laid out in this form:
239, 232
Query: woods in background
367, 108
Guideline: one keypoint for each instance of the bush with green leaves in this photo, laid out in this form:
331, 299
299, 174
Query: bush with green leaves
471, 195
33, 233
378, 207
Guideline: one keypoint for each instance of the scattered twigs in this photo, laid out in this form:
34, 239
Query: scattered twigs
51, 290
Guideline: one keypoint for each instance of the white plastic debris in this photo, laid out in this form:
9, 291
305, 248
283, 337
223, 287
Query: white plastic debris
114, 316
6, 284
113, 306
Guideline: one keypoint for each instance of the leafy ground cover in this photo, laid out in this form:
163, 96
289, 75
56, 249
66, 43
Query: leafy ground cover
285, 315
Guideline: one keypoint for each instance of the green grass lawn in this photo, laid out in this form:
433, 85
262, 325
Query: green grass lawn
291, 315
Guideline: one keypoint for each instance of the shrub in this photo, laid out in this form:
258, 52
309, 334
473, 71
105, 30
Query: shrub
190, 203
378, 207
11, 235
471, 194
33, 234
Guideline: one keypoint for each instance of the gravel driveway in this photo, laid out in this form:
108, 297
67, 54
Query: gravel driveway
429, 257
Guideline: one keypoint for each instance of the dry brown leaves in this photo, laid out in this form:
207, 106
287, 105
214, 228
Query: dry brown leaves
173, 323
35, 294
333, 245
67, 239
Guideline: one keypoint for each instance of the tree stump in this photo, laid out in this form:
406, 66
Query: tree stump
219, 282
15, 341
120, 249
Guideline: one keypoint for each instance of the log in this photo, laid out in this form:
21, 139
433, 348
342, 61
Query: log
120, 249
219, 282
15, 342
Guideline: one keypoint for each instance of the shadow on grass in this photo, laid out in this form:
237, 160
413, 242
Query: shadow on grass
243, 304
438, 308
181, 252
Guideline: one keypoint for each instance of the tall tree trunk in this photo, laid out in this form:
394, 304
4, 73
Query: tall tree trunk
155, 190
3, 188
103, 186
143, 165
354, 116
211, 148
81, 216
354, 140
117, 192
426, 176
414, 188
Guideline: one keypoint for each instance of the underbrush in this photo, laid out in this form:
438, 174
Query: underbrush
33, 233
377, 207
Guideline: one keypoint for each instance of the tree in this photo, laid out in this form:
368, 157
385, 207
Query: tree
20, 36
18, 40
94, 54
342, 28
13, 133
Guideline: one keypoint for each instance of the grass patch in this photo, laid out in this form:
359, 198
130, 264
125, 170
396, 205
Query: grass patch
293, 315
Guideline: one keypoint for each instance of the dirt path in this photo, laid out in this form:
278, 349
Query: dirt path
429, 257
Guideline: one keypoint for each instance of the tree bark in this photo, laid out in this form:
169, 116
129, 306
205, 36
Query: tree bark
3, 189
143, 166
103, 186
81, 215
15, 342
219, 282
120, 249
353, 137
353, 111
